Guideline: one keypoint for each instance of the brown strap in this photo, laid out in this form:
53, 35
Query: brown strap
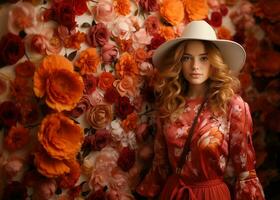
188, 140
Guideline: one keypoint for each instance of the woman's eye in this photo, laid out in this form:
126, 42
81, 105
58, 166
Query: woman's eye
186, 58
204, 58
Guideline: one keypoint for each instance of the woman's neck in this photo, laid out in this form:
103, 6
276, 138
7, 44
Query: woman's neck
197, 91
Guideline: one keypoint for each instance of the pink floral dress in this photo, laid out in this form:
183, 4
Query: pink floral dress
221, 147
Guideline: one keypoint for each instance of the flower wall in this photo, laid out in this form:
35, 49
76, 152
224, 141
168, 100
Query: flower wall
76, 90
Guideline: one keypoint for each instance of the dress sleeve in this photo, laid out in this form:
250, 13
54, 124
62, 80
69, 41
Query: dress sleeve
154, 180
242, 154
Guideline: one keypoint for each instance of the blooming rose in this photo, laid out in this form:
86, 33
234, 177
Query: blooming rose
156, 41
99, 116
98, 35
100, 139
111, 95
126, 86
122, 28
140, 39
103, 11
216, 19
83, 105
18, 137
126, 159
109, 53
90, 82
172, 11
146, 69
123, 107
21, 17
106, 80
12, 49
152, 24
80, 6
60, 136
149, 5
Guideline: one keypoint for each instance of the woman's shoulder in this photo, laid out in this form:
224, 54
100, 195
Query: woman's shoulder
236, 99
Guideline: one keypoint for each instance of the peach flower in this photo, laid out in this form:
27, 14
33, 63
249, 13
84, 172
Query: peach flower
60, 136
126, 86
172, 11
21, 17
100, 116
196, 10
103, 11
126, 66
141, 39
88, 61
56, 79
122, 28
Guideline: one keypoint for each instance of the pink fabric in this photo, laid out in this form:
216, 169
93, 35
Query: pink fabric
221, 146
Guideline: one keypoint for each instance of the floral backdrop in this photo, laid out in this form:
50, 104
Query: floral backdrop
76, 90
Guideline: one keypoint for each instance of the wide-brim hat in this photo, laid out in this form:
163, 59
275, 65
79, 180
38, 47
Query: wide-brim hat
233, 53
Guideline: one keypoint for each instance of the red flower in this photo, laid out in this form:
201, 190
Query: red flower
98, 35
111, 95
216, 19
98, 195
156, 41
12, 49
9, 113
90, 83
25, 69
126, 159
149, 5
17, 137
15, 190
123, 107
69, 180
100, 139
224, 9
80, 6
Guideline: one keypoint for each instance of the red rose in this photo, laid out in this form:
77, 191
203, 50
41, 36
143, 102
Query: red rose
80, 6
111, 95
123, 107
9, 113
149, 5
156, 41
126, 159
90, 83
216, 19
100, 139
12, 49
98, 35
63, 13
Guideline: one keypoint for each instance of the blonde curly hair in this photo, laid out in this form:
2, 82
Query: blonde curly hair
171, 86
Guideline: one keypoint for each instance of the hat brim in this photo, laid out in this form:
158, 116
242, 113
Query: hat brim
233, 53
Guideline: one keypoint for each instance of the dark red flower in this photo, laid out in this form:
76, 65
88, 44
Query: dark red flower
126, 159
123, 107
149, 5
15, 190
216, 19
90, 82
156, 41
98, 195
25, 69
12, 49
9, 113
224, 9
80, 6
98, 35
100, 140
111, 95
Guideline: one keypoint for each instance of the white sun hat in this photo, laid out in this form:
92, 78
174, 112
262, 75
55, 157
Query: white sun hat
233, 53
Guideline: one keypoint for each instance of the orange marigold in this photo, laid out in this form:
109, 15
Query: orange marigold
196, 10
122, 7
88, 61
17, 137
124, 45
49, 166
224, 33
167, 32
126, 65
172, 11
106, 80
130, 123
56, 79
60, 136
74, 41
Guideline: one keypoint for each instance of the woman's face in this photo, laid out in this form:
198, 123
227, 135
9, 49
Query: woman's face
196, 66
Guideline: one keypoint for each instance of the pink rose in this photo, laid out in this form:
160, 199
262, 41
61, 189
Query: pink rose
122, 28
83, 105
103, 11
13, 166
109, 53
140, 39
98, 35
21, 17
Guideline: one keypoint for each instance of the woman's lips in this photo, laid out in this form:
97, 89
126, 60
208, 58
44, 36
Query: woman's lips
195, 75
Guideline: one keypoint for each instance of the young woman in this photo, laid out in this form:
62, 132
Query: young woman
200, 114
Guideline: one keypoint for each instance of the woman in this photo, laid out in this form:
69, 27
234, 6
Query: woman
198, 103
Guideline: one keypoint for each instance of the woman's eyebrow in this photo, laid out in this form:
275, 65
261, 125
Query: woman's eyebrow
202, 54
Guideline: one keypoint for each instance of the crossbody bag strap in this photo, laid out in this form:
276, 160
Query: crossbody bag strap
188, 140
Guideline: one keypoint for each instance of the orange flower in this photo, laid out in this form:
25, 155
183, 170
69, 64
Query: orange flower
60, 136
21, 90
122, 7
126, 65
74, 41
56, 80
99, 116
172, 11
25, 69
88, 61
68, 180
126, 86
106, 80
196, 10
130, 123
124, 45
167, 32
17, 137
49, 166
140, 54
224, 33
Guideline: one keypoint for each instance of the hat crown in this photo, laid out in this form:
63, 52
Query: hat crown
200, 30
